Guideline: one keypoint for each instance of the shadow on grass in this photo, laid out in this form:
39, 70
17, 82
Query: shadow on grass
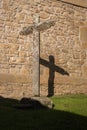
38, 119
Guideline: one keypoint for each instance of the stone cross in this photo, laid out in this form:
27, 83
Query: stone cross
35, 29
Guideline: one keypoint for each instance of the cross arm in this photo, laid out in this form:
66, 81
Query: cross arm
27, 30
39, 27
44, 25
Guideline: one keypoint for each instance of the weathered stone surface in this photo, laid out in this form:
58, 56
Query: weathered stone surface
44, 15
44, 25
84, 69
45, 101
34, 103
27, 30
65, 85
11, 78
83, 36
41, 26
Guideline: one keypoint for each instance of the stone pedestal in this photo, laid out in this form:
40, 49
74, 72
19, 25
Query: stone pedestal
35, 103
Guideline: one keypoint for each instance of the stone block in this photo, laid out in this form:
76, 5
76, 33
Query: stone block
84, 70
83, 55
44, 15
20, 16
83, 33
83, 36
14, 78
29, 20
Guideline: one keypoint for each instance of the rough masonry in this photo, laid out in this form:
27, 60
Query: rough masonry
63, 55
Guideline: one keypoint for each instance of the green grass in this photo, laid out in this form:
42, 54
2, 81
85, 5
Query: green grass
69, 113
71, 103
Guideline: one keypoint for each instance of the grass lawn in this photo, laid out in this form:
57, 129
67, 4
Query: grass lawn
69, 113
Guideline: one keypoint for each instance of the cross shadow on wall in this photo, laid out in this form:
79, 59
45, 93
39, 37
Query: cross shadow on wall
52, 69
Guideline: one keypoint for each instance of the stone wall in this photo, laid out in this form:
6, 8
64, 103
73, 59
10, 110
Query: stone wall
63, 55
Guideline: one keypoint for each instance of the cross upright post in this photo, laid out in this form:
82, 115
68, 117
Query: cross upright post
36, 56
